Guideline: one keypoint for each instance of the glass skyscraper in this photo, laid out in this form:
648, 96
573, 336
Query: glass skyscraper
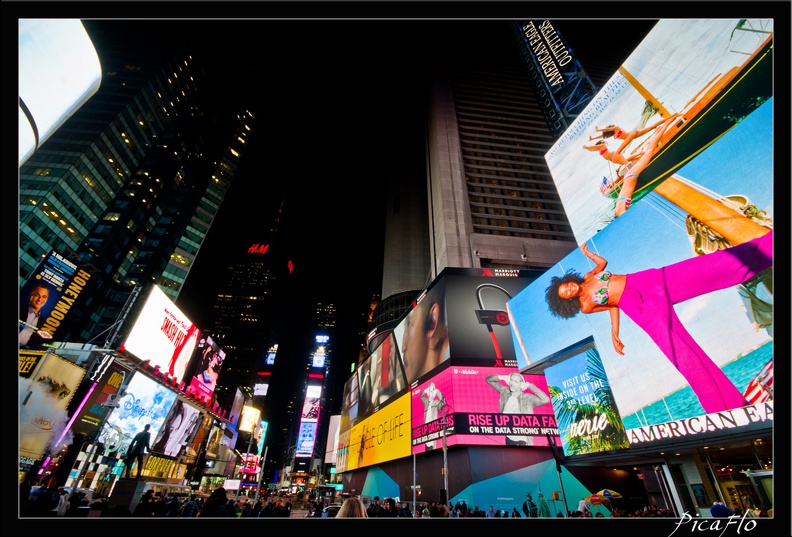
130, 184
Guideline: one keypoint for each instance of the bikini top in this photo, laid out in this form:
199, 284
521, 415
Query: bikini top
603, 150
618, 133
600, 296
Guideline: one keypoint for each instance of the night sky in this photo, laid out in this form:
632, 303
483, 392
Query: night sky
331, 127
336, 117
339, 106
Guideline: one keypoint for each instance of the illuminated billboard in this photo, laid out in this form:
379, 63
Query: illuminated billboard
703, 75
251, 464
59, 71
333, 429
478, 324
686, 268
306, 438
380, 377
250, 418
490, 406
382, 437
178, 431
205, 365
342, 450
318, 359
588, 417
236, 409
199, 441
146, 401
107, 379
47, 297
349, 404
43, 400
309, 416
561, 88
310, 410
162, 335
319, 356
422, 335
262, 436
462, 317
269, 358
215, 440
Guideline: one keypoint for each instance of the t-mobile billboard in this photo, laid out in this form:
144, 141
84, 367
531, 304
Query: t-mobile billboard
488, 406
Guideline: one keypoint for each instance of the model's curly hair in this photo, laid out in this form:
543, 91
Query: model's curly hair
563, 308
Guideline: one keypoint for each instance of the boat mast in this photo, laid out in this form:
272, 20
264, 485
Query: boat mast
730, 224
657, 105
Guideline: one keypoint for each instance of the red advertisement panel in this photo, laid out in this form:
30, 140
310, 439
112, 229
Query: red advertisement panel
207, 363
482, 406
162, 335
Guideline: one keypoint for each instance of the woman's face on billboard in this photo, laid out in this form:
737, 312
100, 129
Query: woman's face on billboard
414, 345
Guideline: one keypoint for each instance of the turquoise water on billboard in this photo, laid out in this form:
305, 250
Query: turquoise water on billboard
683, 403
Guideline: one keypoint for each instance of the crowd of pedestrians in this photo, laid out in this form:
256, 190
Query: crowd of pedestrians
218, 504
51, 500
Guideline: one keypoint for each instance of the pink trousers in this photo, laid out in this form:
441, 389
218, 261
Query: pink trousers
649, 297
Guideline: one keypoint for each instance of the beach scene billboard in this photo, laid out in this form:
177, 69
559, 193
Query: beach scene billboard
676, 290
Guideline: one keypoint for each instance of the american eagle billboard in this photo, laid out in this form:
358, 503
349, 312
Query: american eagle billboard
673, 279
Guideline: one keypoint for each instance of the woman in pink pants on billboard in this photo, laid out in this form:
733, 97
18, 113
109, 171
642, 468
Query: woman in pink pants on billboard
647, 297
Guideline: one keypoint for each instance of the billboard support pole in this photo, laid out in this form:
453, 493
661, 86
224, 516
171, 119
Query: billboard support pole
415, 477
445, 451
122, 316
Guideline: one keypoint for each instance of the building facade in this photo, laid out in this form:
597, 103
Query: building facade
493, 204
131, 183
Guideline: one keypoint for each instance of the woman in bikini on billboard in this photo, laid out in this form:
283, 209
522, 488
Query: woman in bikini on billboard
647, 297
617, 133
630, 167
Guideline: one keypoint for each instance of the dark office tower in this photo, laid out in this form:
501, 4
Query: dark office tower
249, 308
131, 183
310, 404
492, 202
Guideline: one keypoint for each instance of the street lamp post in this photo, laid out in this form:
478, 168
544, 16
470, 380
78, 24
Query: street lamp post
261, 475
445, 449
247, 453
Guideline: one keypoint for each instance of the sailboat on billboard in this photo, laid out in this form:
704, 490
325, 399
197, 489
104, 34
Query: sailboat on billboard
719, 105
